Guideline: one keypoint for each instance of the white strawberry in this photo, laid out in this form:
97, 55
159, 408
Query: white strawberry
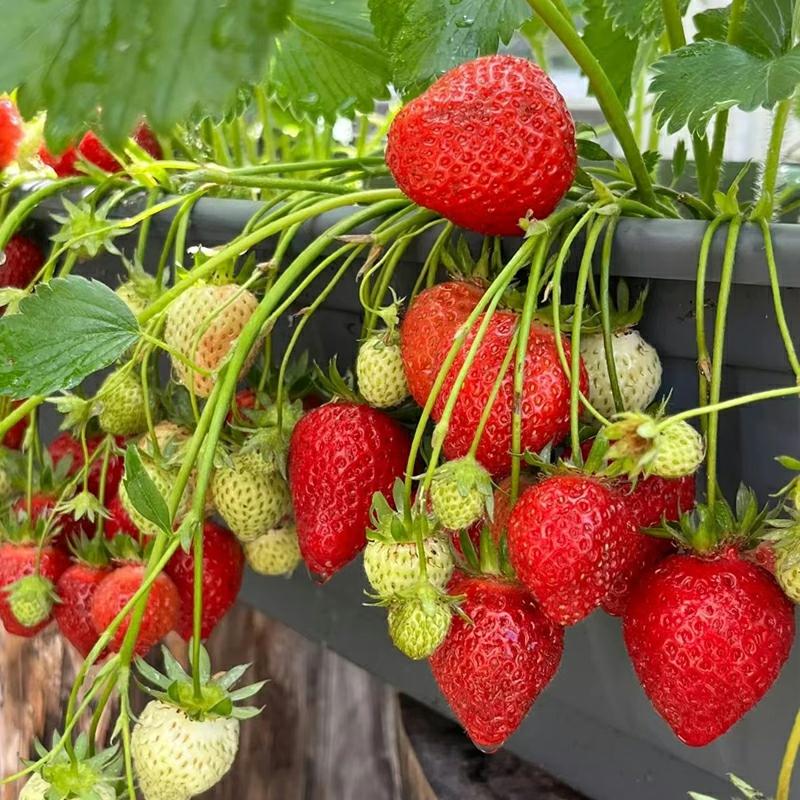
638, 369
379, 369
276, 552
393, 567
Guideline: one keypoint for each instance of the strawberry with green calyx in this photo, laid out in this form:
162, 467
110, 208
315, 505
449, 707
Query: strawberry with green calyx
276, 552
419, 619
250, 495
12, 131
31, 600
461, 492
184, 742
79, 774
500, 639
647, 445
121, 406
203, 325
75, 589
391, 557
65, 445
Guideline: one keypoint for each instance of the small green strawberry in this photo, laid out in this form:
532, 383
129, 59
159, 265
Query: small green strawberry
251, 497
379, 369
787, 568
31, 599
636, 363
419, 623
461, 492
121, 406
654, 446
391, 558
275, 552
79, 775
184, 744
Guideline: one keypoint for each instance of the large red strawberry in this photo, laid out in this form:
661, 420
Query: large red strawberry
75, 589
11, 132
428, 330
340, 455
93, 150
63, 164
66, 445
651, 501
707, 637
545, 395
223, 568
20, 261
161, 612
491, 142
492, 668
568, 539
18, 561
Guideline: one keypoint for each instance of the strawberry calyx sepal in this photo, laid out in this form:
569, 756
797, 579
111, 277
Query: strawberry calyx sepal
490, 558
406, 522
31, 599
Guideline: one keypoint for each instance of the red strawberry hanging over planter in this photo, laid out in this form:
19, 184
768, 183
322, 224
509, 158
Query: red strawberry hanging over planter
491, 142
223, 569
568, 539
11, 132
20, 261
545, 395
708, 634
428, 330
492, 668
340, 455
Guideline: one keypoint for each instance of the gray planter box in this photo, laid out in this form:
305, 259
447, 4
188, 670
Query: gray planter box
593, 727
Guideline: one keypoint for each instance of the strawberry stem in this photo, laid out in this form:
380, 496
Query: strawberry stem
605, 315
765, 207
726, 405
787, 765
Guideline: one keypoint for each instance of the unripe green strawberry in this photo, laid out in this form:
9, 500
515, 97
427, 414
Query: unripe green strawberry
679, 451
176, 757
638, 369
163, 481
132, 298
460, 493
250, 497
276, 552
379, 368
419, 624
121, 404
31, 600
787, 568
203, 325
393, 567
37, 789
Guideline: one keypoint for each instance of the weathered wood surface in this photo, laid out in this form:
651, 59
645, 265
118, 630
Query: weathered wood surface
329, 731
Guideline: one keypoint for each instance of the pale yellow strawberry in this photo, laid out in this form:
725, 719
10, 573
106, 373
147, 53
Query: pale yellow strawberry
121, 406
276, 552
379, 369
393, 567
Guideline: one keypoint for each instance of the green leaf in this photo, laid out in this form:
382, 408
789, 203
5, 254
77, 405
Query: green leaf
425, 38
592, 151
70, 328
328, 62
639, 18
679, 158
694, 83
613, 48
143, 493
163, 59
765, 30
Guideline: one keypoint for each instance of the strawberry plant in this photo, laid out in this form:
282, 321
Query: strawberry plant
505, 447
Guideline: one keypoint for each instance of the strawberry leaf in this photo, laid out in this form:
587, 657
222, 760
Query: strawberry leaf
70, 328
73, 57
143, 493
697, 81
328, 62
425, 38
613, 48
639, 17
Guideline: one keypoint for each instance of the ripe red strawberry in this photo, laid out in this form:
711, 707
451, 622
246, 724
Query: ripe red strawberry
65, 444
492, 669
17, 561
161, 612
223, 569
489, 143
75, 589
21, 260
11, 132
428, 330
93, 150
568, 540
545, 399
707, 637
63, 164
42, 505
119, 521
14, 438
339, 456
651, 501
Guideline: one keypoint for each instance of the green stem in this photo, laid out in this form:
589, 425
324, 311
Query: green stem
765, 208
777, 301
613, 110
144, 229
725, 284
221, 178
605, 315
787, 765
19, 413
736, 402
